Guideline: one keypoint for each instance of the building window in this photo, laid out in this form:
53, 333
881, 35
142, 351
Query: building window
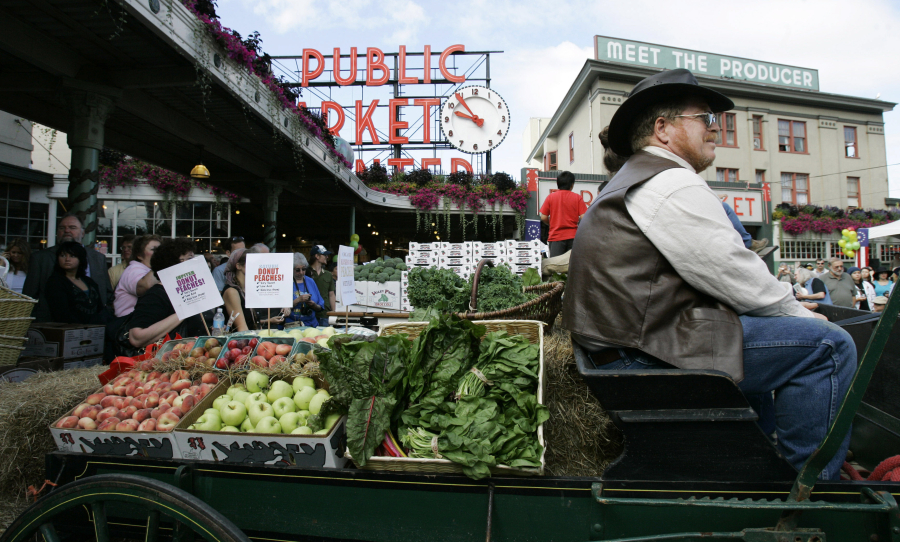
836, 252
203, 223
726, 126
795, 188
760, 176
20, 218
758, 143
571, 147
550, 161
726, 175
802, 250
887, 253
851, 148
853, 192
791, 136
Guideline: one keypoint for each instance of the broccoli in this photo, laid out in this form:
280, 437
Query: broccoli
381, 277
402, 266
390, 264
376, 270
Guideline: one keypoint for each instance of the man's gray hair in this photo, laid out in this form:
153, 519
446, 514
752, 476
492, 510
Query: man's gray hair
803, 275
72, 215
259, 248
300, 260
646, 120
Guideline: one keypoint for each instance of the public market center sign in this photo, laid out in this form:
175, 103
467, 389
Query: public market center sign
712, 65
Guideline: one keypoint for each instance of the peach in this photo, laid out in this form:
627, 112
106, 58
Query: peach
154, 413
162, 387
184, 402
108, 401
176, 411
182, 384
87, 424
130, 388
121, 402
91, 412
180, 374
142, 414
120, 389
147, 366
95, 398
127, 425
168, 397
68, 422
147, 425
108, 389
108, 412
194, 389
154, 375
167, 422
204, 390
79, 409
109, 424
283, 349
129, 412
152, 400
164, 407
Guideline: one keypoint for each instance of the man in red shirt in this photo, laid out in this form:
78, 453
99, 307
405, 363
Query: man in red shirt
562, 211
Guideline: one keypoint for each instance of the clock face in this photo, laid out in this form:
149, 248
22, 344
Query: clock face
475, 119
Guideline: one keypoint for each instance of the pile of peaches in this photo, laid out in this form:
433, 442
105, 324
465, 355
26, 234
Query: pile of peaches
140, 400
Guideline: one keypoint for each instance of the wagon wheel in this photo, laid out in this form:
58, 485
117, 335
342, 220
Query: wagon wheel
190, 515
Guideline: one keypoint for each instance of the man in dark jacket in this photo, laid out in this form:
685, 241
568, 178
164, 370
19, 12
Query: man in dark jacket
41, 266
651, 277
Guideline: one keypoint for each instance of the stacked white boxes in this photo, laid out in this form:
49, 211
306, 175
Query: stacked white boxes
523, 255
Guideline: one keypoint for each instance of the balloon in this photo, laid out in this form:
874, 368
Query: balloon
845, 232
852, 236
354, 244
854, 245
354, 237
851, 228
842, 243
850, 254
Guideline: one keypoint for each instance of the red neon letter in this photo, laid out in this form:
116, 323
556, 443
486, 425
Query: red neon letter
750, 203
393, 124
364, 122
590, 197
426, 104
428, 162
308, 75
360, 166
401, 69
427, 66
443, 64
736, 200
337, 67
400, 162
456, 163
301, 104
375, 61
333, 106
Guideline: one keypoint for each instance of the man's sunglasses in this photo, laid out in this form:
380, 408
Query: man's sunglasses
708, 118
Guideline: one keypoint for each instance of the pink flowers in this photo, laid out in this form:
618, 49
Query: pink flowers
129, 171
474, 199
804, 223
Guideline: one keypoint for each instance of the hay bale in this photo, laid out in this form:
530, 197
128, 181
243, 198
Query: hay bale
580, 438
26, 411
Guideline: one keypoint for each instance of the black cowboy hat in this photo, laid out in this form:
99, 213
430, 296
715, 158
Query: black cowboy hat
656, 88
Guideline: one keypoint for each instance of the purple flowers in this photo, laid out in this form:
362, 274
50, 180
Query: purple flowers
475, 198
129, 170
825, 220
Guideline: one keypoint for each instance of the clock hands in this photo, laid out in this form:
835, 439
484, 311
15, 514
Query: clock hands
478, 121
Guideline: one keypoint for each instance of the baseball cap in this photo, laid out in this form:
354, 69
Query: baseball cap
319, 249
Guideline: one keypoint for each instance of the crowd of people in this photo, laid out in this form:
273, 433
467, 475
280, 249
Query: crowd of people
865, 288
73, 285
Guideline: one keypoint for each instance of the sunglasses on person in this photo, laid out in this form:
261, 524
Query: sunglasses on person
708, 118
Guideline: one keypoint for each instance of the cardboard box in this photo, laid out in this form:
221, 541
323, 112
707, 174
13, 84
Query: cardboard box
499, 246
521, 269
482, 253
463, 271
523, 245
362, 292
524, 260
423, 247
455, 262
456, 250
64, 340
384, 296
27, 367
427, 259
82, 363
324, 451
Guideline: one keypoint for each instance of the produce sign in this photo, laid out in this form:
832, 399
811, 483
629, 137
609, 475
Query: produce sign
190, 287
454, 393
347, 289
269, 283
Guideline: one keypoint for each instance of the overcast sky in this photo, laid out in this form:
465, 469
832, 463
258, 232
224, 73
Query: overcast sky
854, 46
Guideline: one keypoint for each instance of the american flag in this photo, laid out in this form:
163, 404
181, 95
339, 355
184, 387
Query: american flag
532, 230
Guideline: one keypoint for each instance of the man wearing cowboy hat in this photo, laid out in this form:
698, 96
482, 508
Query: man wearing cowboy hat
651, 277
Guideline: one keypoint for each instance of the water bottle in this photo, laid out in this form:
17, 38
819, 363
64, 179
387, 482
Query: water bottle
218, 323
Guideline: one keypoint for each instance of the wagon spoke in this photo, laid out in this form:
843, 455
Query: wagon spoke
152, 527
101, 526
49, 533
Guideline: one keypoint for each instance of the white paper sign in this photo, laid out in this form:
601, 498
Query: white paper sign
190, 287
346, 288
269, 280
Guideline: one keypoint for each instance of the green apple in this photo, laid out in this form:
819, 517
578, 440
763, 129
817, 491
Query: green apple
302, 397
310, 332
234, 413
258, 411
213, 413
296, 333
246, 427
323, 343
221, 401
280, 389
230, 429
264, 333
208, 423
315, 404
324, 392
304, 415
289, 421
328, 331
322, 432
302, 430
258, 397
234, 388
301, 382
256, 381
331, 420
241, 396
268, 424
283, 405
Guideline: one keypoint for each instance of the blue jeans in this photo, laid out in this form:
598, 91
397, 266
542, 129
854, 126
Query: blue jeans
807, 362
736, 222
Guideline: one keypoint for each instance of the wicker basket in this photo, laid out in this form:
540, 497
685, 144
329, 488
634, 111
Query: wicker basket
531, 330
15, 317
545, 307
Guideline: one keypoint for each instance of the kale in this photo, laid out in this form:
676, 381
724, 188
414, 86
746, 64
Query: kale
429, 286
499, 288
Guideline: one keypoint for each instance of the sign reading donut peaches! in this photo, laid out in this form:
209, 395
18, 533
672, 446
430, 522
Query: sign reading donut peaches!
268, 281
190, 287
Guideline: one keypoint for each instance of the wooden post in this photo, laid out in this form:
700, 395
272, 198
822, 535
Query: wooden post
269, 321
204, 324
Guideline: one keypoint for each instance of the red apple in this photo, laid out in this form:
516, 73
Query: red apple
87, 424
222, 363
68, 422
109, 424
232, 344
147, 425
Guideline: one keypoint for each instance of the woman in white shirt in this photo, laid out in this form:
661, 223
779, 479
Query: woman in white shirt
129, 288
18, 253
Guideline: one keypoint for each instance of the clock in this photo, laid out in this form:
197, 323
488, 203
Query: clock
475, 119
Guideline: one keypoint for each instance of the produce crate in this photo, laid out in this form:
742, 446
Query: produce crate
533, 331
168, 346
277, 340
325, 451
